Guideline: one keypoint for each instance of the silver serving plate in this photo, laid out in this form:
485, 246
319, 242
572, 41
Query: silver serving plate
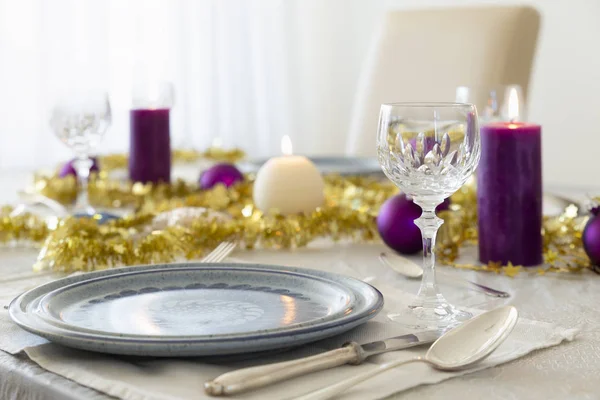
329, 165
195, 309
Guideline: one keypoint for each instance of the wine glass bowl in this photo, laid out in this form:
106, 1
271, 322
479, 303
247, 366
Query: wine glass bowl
429, 150
80, 121
82, 133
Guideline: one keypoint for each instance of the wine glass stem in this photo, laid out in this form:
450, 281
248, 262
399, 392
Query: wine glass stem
429, 224
82, 164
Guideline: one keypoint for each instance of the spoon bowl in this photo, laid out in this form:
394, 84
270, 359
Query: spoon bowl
472, 341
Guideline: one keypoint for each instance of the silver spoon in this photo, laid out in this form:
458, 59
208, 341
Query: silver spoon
406, 267
457, 349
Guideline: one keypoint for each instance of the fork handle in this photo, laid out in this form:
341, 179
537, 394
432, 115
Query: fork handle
250, 378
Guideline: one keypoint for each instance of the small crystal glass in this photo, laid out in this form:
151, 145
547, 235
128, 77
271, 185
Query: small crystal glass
494, 102
428, 150
80, 119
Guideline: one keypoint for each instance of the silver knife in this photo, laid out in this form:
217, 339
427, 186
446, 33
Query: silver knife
251, 378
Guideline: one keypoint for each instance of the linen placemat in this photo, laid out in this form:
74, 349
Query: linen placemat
170, 379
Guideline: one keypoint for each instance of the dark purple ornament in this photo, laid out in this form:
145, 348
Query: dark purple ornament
396, 224
69, 168
226, 174
444, 206
591, 240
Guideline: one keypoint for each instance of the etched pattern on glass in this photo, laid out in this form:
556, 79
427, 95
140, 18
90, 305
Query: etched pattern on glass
422, 157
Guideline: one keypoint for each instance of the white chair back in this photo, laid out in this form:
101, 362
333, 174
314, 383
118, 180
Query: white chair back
425, 55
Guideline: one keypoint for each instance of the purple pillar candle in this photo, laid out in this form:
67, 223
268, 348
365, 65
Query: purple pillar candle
150, 146
509, 194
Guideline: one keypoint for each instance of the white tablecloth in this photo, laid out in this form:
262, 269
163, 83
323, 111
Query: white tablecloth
559, 372
566, 371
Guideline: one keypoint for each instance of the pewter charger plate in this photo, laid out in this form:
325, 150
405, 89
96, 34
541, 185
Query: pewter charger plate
195, 309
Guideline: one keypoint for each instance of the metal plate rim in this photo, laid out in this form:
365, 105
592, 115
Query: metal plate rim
213, 345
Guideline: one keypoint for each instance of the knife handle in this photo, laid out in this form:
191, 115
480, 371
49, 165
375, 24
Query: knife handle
250, 378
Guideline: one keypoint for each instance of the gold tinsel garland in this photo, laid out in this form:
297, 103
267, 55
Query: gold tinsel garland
350, 210
562, 245
106, 192
82, 244
119, 161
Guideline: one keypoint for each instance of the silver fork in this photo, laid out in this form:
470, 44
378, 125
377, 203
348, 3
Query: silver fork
219, 253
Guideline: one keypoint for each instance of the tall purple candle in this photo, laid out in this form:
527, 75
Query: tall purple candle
150, 146
509, 194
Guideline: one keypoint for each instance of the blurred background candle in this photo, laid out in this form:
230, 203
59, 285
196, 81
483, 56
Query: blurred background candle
288, 184
509, 191
150, 138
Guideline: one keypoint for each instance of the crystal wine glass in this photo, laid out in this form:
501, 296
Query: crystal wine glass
493, 102
80, 119
428, 150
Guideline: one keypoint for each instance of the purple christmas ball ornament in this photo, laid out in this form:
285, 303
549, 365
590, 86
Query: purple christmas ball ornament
396, 224
69, 168
444, 206
226, 174
591, 240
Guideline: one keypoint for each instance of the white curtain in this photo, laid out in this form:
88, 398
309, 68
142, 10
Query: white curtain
245, 71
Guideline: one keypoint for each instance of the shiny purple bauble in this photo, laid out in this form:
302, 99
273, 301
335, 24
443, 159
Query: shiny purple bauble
444, 206
226, 174
591, 240
69, 168
396, 224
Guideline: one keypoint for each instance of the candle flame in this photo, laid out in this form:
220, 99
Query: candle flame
513, 104
286, 145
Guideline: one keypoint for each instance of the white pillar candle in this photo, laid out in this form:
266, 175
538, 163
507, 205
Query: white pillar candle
288, 184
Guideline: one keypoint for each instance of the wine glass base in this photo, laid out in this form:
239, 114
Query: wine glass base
440, 317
